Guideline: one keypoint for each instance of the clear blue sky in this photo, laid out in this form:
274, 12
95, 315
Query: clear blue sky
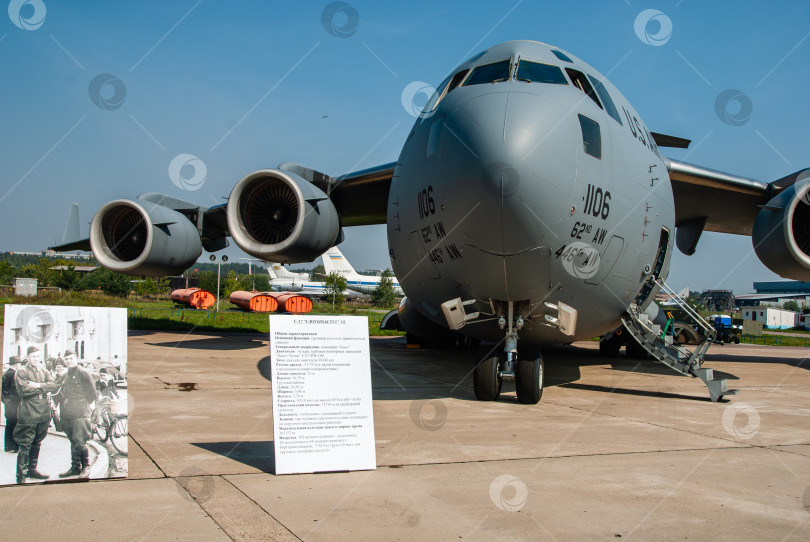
249, 85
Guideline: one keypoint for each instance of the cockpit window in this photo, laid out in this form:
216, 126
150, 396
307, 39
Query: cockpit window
562, 56
606, 99
449, 84
489, 73
581, 82
457, 78
534, 72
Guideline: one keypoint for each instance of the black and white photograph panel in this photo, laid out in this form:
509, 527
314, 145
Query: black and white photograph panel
64, 394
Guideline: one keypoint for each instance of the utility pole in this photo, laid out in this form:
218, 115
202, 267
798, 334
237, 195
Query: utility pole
219, 268
250, 270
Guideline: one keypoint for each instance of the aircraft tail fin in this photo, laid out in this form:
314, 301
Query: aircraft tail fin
281, 271
271, 270
335, 262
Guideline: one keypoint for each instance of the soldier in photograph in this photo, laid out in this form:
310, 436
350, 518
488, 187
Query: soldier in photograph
34, 414
77, 394
11, 402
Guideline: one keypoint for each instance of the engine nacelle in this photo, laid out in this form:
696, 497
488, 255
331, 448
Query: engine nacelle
277, 216
143, 238
781, 233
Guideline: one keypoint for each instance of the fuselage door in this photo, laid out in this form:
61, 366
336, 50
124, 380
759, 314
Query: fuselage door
608, 260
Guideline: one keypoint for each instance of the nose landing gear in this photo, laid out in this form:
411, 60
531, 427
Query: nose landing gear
492, 370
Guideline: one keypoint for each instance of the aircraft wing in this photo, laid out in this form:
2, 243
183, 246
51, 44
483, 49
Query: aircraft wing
361, 198
706, 199
81, 244
288, 215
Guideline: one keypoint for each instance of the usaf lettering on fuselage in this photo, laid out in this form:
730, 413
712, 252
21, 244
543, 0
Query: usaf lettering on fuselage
641, 133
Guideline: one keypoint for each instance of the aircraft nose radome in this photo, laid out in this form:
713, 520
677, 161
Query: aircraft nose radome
508, 143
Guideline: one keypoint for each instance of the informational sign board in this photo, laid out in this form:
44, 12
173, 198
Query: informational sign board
322, 410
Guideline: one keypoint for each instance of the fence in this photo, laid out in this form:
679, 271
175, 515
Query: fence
775, 340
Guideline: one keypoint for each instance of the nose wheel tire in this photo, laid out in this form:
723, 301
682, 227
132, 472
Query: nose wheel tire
486, 380
529, 381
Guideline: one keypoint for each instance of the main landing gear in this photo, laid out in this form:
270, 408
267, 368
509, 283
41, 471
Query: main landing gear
494, 367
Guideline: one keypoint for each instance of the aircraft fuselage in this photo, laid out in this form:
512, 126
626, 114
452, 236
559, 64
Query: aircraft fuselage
530, 192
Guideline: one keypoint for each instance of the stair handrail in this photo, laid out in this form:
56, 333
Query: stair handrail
699, 320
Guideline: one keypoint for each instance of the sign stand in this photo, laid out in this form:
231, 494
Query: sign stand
322, 408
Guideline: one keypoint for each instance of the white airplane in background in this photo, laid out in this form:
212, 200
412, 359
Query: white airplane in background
284, 273
335, 262
283, 280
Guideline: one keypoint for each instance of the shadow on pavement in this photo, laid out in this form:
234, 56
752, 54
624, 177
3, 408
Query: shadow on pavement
264, 368
257, 454
639, 393
140, 332
215, 343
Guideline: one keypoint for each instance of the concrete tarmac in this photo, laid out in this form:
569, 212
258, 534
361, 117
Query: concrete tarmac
617, 448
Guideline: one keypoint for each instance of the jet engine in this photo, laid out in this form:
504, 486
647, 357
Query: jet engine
278, 216
143, 238
781, 233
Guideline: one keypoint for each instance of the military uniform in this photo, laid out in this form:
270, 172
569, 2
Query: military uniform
11, 403
78, 392
33, 418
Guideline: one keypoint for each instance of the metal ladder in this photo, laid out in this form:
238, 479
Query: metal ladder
678, 358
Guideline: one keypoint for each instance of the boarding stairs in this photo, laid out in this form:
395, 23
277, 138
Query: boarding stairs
660, 345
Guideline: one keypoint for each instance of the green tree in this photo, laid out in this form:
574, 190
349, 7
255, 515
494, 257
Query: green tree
151, 286
109, 282
7, 272
234, 282
208, 281
384, 294
791, 305
41, 270
44, 273
66, 278
318, 273
334, 284
260, 282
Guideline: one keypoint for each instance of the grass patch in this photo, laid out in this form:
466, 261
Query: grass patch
164, 315
791, 330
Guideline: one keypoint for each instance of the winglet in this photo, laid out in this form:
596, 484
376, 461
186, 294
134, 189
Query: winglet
664, 140
72, 227
70, 237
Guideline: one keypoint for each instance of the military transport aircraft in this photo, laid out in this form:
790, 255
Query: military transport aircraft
530, 205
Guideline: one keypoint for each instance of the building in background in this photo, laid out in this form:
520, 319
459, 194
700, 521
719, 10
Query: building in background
771, 317
717, 300
776, 294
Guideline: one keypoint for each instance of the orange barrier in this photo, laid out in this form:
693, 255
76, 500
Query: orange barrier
254, 301
294, 303
199, 299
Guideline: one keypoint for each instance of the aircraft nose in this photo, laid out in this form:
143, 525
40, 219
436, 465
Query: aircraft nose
512, 151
